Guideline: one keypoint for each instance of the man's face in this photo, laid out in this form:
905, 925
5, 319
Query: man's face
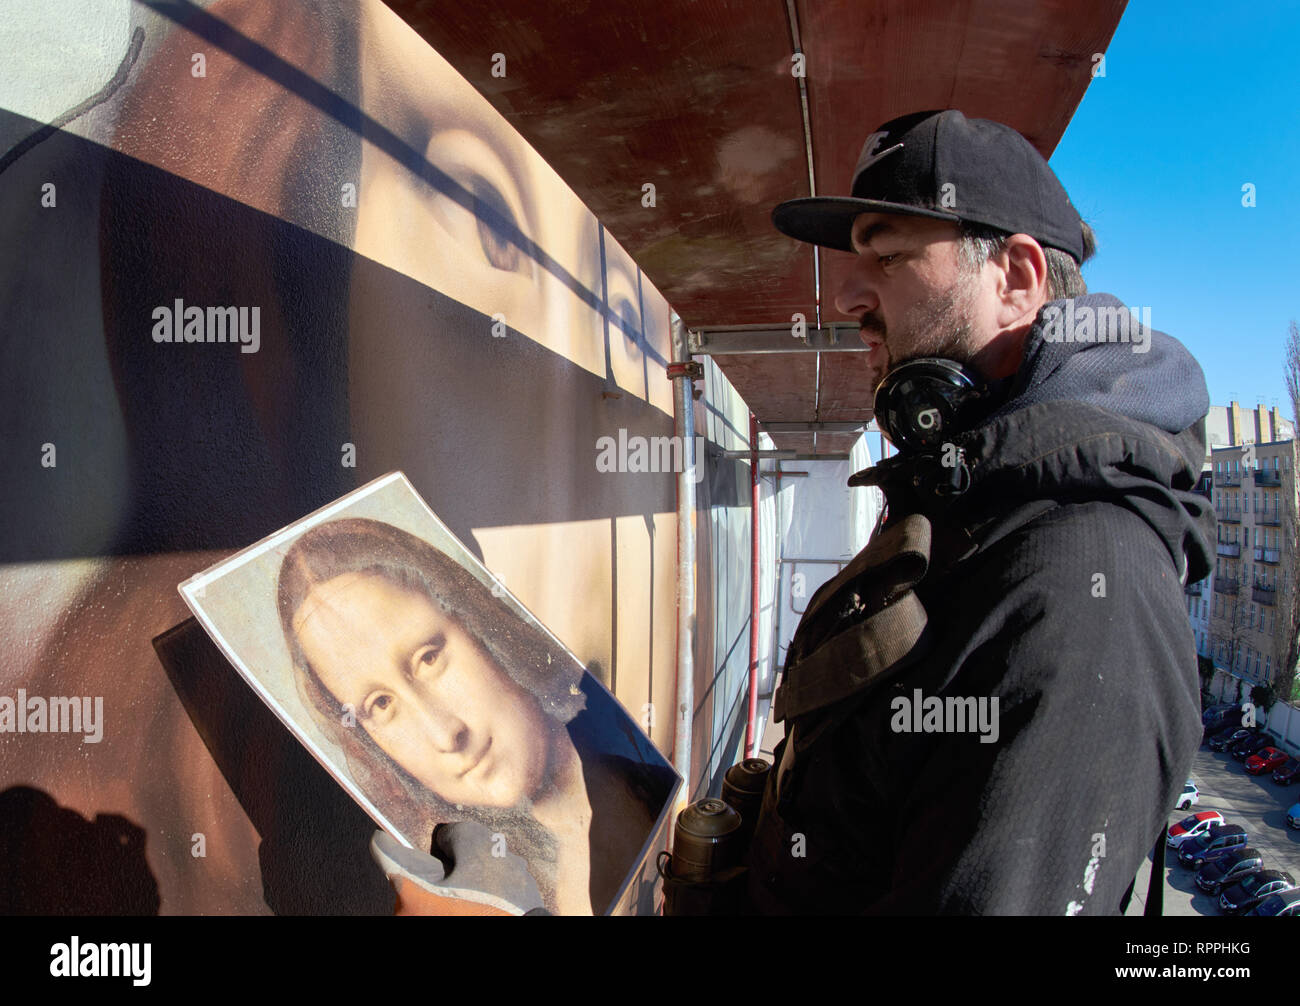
910, 292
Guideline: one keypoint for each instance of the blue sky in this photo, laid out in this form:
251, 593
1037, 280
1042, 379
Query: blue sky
1198, 99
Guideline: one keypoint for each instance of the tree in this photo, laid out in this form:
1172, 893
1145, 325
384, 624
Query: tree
1205, 667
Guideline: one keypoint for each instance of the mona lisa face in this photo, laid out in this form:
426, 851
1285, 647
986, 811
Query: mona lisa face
424, 690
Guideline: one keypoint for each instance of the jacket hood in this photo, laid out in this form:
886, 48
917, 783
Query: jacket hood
1092, 349
1102, 407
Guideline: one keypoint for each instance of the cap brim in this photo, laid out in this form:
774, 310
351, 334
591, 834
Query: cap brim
828, 220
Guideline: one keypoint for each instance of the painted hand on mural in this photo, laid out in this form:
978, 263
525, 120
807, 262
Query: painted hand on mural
475, 874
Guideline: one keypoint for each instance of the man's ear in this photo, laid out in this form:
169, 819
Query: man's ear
1022, 281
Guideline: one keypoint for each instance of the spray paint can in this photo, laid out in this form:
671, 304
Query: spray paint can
702, 872
742, 787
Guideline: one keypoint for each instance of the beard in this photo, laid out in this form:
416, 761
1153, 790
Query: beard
939, 326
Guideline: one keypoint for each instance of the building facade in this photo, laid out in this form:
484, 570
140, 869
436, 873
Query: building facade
1241, 613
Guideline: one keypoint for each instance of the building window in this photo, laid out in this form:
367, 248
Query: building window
1268, 672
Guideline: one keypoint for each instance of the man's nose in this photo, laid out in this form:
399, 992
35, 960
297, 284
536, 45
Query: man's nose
855, 296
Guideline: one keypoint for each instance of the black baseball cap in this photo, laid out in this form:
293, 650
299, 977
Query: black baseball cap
943, 165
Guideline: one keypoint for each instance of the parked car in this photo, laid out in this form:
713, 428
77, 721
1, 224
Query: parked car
1286, 903
1231, 869
1219, 856
1216, 718
1254, 888
1220, 837
1192, 825
1265, 760
1221, 740
1190, 796
1288, 773
1293, 815
1243, 749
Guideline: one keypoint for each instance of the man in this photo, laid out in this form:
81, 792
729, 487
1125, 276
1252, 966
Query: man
994, 707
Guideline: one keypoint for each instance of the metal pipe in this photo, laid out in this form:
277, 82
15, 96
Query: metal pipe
752, 716
860, 426
797, 43
684, 420
785, 455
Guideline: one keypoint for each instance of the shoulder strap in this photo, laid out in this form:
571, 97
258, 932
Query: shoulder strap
850, 660
859, 624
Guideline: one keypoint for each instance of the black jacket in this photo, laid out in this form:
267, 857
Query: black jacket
1054, 585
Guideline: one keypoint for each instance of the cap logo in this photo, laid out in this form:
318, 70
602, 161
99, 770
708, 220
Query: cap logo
869, 156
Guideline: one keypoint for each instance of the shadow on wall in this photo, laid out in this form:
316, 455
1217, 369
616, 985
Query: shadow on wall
314, 852
55, 862
224, 445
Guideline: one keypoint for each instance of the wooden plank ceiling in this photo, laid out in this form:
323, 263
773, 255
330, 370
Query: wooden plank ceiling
698, 97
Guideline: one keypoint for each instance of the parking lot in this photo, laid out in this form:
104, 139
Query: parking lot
1256, 803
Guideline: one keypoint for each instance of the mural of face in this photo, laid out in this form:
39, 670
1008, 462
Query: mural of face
425, 691
452, 199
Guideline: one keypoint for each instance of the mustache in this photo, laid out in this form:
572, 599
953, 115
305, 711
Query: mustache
870, 322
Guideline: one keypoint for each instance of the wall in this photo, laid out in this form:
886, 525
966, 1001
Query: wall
430, 297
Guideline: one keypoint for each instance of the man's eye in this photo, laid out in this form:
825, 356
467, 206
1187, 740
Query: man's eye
887, 259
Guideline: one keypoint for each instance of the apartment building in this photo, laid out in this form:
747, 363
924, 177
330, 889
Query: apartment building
1240, 613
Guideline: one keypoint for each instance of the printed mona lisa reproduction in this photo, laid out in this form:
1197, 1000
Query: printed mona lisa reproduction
432, 695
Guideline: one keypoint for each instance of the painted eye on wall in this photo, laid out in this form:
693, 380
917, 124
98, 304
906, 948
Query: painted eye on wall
498, 242
628, 320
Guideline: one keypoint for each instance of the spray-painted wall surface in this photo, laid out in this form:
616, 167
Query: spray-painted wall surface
256, 255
